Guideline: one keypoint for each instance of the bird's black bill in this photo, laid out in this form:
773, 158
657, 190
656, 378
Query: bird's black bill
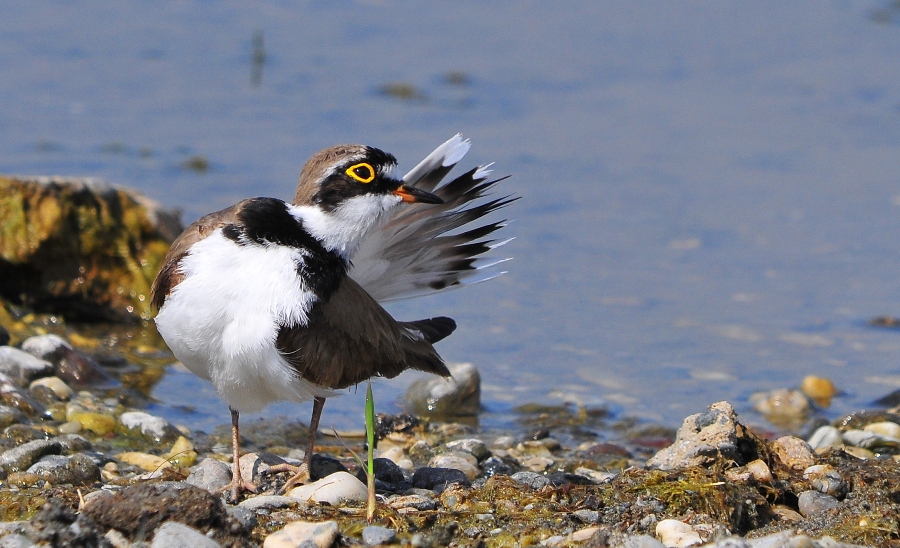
411, 194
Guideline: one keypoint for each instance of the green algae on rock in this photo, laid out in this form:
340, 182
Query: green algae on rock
80, 248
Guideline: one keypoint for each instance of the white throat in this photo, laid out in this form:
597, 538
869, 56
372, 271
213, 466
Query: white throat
342, 229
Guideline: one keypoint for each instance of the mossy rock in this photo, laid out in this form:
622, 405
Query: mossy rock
79, 248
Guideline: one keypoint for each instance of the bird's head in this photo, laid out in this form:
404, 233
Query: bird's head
350, 188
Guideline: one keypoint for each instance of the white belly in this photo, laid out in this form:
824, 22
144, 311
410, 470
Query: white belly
221, 321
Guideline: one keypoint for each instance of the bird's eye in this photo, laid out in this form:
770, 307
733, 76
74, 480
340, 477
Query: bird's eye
364, 173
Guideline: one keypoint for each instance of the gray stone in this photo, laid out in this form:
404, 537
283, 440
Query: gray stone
70, 364
210, 474
22, 366
12, 395
73, 443
730, 542
812, 503
20, 458
77, 469
374, 535
156, 428
245, 516
475, 447
269, 502
172, 534
429, 478
587, 516
15, 541
702, 439
10, 415
531, 479
460, 395
641, 541
464, 462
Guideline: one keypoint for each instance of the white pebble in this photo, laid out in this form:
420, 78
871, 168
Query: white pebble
824, 437
677, 534
304, 533
333, 489
59, 387
889, 429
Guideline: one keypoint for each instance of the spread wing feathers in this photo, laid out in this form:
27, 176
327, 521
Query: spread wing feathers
351, 338
419, 250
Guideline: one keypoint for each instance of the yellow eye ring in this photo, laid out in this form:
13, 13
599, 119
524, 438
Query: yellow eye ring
362, 172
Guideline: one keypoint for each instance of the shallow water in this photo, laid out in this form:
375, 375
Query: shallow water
709, 192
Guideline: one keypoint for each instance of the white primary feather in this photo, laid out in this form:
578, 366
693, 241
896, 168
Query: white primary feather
422, 248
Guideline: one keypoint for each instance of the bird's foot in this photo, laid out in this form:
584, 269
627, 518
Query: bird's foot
236, 487
300, 477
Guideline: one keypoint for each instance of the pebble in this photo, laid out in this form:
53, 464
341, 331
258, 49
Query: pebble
333, 489
464, 462
429, 478
587, 516
58, 469
474, 447
884, 428
794, 452
782, 406
531, 479
374, 535
304, 534
459, 395
268, 502
12, 395
10, 415
677, 534
819, 389
385, 471
20, 458
495, 465
57, 385
812, 503
825, 479
70, 364
418, 502
155, 428
172, 534
785, 513
701, 439
144, 461
596, 476
825, 437
210, 474
398, 457
22, 366
537, 464
182, 453
759, 471
245, 516
16, 541
582, 535
98, 423
641, 541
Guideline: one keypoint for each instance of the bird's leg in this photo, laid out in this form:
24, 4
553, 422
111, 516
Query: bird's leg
237, 484
305, 469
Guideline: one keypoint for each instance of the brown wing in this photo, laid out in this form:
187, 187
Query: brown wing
170, 276
352, 339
